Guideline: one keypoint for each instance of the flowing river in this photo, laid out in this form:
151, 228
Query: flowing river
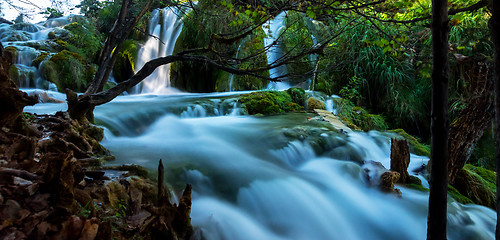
277, 177
287, 176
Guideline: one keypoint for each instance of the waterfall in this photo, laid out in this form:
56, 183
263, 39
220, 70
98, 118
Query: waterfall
231, 77
25, 37
274, 53
164, 29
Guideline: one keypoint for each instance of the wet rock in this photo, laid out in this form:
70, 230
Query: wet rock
90, 229
11, 209
387, 181
70, 229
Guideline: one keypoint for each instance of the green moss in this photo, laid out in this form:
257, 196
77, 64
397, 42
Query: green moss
358, 118
416, 183
14, 73
298, 95
314, 103
52, 35
415, 146
12, 50
417, 187
39, 59
68, 70
477, 184
455, 194
268, 103
488, 175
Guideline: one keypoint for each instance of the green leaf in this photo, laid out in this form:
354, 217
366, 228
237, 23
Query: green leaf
311, 14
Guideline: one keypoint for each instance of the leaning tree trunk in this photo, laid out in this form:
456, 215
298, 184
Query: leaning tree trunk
470, 125
436, 221
495, 32
125, 23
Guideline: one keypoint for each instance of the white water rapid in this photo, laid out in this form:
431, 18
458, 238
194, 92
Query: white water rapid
164, 28
274, 53
278, 177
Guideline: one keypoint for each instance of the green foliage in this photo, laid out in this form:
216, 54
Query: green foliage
268, 103
196, 33
351, 90
121, 208
87, 210
90, 8
84, 39
52, 13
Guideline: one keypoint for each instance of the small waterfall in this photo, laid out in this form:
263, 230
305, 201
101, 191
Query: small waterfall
27, 39
231, 77
274, 53
164, 28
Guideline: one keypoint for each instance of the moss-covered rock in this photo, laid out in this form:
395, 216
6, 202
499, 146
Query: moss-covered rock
314, 103
298, 95
455, 194
268, 103
478, 184
415, 146
68, 70
125, 64
357, 117
36, 62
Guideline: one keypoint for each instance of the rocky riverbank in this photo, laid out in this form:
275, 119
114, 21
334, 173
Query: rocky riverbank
52, 185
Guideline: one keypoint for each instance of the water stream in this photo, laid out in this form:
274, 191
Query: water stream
278, 177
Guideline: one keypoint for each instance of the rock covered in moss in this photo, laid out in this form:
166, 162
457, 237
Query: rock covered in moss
68, 70
477, 184
268, 103
314, 103
415, 146
298, 95
357, 117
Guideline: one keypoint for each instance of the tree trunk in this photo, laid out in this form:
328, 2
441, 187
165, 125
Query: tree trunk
495, 32
470, 125
400, 158
436, 221
125, 23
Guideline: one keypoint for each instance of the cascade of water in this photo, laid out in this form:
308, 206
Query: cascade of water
274, 53
164, 28
251, 182
231, 77
27, 39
